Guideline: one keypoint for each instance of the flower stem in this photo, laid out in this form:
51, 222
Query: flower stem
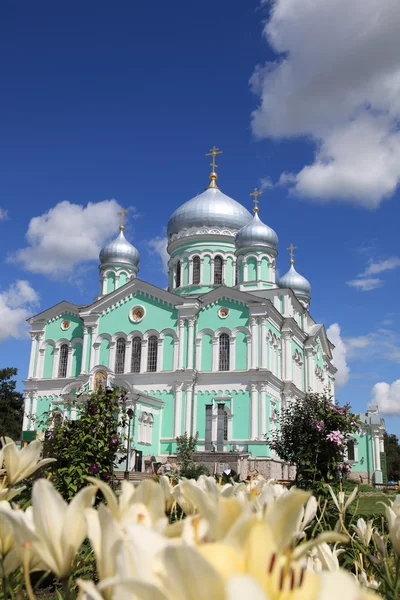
67, 593
25, 568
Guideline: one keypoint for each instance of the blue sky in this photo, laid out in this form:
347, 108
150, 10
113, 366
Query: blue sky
121, 101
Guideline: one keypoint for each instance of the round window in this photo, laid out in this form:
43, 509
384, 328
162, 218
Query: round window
65, 325
137, 314
223, 312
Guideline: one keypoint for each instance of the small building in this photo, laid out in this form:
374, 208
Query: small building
366, 452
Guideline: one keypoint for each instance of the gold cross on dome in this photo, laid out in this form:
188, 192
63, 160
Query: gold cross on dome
122, 219
255, 194
214, 152
291, 253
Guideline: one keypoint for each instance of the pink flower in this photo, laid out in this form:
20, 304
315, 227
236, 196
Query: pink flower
335, 437
319, 425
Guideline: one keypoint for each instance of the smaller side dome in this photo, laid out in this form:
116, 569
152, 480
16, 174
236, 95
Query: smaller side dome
120, 252
296, 282
256, 235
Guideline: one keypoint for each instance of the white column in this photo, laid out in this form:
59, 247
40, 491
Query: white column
287, 343
96, 353
181, 342
104, 285
254, 343
56, 359
69, 363
27, 412
40, 363
176, 354
159, 354
84, 348
248, 351
188, 410
234, 272
279, 362
309, 369
33, 411
258, 269
190, 267
264, 342
128, 356
111, 356
254, 411
198, 355
193, 425
92, 362
232, 353
245, 271
116, 281
191, 343
143, 357
202, 270
178, 410
262, 429
223, 271
377, 452
32, 355
381, 445
215, 354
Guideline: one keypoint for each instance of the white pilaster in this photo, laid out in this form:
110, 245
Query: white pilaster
33, 411
92, 361
202, 270
258, 269
128, 356
212, 270
40, 363
159, 354
224, 271
178, 410
143, 357
176, 354
309, 369
32, 355
264, 342
56, 362
181, 342
104, 285
198, 355
188, 408
248, 351
96, 354
84, 348
69, 363
254, 342
254, 411
377, 452
245, 271
287, 345
232, 353
215, 354
263, 410
111, 356
116, 281
191, 343
27, 412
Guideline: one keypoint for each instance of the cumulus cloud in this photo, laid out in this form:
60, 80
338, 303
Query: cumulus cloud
3, 214
66, 236
367, 284
159, 247
376, 267
16, 305
376, 345
387, 397
339, 355
337, 81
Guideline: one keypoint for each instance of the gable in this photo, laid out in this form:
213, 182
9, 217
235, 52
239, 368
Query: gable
54, 330
208, 317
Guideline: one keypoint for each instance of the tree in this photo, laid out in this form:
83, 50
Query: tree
313, 434
88, 446
392, 450
11, 405
185, 449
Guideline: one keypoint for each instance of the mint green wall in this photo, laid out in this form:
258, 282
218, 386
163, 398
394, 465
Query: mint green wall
43, 407
241, 352
264, 269
76, 359
208, 316
211, 246
54, 332
258, 449
167, 422
104, 353
241, 419
206, 352
48, 361
365, 460
251, 269
282, 304
122, 279
110, 282
158, 316
168, 353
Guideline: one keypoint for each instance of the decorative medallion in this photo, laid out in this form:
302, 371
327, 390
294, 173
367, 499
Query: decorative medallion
137, 314
223, 312
65, 325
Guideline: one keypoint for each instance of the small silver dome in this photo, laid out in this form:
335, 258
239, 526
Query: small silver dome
211, 208
120, 252
256, 235
296, 282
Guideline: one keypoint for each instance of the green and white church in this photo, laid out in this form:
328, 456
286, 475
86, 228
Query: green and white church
219, 352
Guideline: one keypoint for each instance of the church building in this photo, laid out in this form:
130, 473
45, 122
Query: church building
219, 352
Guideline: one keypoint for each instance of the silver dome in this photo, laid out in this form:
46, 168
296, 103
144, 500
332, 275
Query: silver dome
256, 235
212, 208
120, 251
296, 282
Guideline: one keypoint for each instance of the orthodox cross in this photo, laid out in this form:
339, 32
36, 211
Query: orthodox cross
291, 253
255, 194
122, 219
214, 152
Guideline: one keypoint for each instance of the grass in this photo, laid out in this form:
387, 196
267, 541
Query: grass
368, 503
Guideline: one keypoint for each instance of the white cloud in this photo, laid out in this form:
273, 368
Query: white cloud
383, 265
387, 397
382, 344
366, 285
16, 304
3, 214
266, 183
66, 236
339, 355
159, 246
336, 81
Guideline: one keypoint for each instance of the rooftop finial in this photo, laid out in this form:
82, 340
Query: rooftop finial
291, 253
213, 175
122, 219
255, 194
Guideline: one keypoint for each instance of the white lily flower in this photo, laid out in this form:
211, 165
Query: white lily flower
9, 558
341, 503
329, 557
364, 531
392, 512
343, 585
20, 464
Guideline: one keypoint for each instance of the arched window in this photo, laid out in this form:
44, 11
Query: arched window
178, 274
350, 450
237, 273
196, 270
225, 425
224, 352
152, 353
136, 354
63, 363
146, 422
120, 356
218, 270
